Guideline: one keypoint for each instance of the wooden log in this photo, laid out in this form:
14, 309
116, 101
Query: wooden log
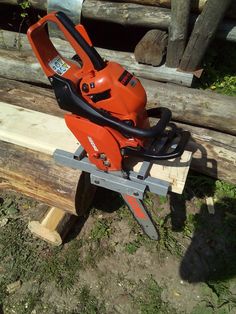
52, 225
203, 33
24, 66
215, 151
140, 15
135, 14
35, 174
192, 106
152, 48
196, 5
178, 31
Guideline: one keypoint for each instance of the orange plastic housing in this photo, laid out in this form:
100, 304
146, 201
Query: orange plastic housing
126, 98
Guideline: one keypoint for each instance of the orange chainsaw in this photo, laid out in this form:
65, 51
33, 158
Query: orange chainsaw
108, 117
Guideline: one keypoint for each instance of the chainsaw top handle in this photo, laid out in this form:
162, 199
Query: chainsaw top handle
78, 38
92, 53
69, 100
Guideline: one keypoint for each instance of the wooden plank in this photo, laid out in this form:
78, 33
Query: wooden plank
203, 33
35, 130
178, 32
22, 65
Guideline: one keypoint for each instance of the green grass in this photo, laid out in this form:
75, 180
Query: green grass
220, 68
150, 302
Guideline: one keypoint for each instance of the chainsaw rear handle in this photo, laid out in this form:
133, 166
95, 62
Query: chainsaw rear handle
68, 99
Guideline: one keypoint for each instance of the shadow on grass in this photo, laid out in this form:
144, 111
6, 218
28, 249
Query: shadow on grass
211, 255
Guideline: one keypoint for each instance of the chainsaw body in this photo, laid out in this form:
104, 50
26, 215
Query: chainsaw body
107, 104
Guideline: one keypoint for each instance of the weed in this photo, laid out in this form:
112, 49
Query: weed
89, 304
132, 247
220, 65
151, 301
100, 230
219, 299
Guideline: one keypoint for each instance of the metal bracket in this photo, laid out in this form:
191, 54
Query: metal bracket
134, 185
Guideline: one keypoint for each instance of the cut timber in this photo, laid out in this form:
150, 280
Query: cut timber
178, 31
152, 48
22, 65
53, 226
35, 130
203, 33
30, 128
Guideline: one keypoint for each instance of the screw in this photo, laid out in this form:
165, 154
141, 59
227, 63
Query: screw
106, 163
96, 182
136, 194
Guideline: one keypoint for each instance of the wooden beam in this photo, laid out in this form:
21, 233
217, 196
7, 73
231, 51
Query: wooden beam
22, 65
178, 32
203, 33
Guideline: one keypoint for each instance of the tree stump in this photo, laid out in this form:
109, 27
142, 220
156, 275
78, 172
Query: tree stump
152, 47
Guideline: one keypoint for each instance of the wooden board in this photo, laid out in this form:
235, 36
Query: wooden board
35, 130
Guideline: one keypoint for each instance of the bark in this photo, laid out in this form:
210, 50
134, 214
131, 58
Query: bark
178, 32
22, 65
35, 174
203, 33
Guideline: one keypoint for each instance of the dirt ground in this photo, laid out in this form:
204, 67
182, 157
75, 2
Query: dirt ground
111, 267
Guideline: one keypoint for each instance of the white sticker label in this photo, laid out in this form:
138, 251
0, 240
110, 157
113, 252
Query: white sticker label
59, 65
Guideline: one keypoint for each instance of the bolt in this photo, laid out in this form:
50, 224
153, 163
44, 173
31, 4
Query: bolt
103, 156
96, 182
107, 163
136, 194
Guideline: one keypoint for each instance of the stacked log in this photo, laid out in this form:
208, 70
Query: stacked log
127, 13
196, 5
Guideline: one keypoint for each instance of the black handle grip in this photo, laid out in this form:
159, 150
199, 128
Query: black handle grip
68, 99
92, 53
